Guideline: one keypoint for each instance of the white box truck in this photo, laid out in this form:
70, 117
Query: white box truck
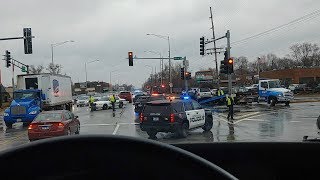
37, 92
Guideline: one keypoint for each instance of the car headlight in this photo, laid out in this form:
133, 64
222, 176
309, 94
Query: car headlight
33, 112
280, 95
5, 114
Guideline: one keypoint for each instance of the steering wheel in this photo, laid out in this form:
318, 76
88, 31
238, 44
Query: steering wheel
115, 157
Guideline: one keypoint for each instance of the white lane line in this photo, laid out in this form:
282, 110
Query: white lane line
98, 125
294, 121
116, 129
110, 124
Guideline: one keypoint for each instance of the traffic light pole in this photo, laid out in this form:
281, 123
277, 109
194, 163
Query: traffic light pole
185, 78
229, 74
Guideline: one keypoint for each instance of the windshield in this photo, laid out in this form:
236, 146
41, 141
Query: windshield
83, 98
26, 95
274, 84
49, 117
256, 74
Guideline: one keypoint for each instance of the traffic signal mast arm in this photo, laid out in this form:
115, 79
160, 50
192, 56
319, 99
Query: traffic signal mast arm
20, 65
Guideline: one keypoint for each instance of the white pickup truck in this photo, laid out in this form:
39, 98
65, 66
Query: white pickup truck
271, 92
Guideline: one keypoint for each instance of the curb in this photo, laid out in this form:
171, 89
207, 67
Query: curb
303, 101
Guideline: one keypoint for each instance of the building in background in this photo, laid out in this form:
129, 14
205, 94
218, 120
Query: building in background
94, 86
294, 76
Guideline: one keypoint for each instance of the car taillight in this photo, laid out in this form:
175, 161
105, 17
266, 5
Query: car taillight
141, 117
171, 118
32, 126
60, 125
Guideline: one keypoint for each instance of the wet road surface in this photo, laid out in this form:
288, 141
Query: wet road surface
253, 123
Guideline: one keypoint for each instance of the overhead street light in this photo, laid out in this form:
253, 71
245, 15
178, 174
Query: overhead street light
168, 39
55, 45
161, 64
85, 67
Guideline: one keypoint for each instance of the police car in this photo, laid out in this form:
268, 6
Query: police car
176, 116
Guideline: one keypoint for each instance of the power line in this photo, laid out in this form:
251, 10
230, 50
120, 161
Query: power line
307, 17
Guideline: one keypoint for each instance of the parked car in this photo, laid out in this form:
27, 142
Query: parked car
204, 93
292, 87
126, 95
302, 88
104, 103
53, 123
83, 101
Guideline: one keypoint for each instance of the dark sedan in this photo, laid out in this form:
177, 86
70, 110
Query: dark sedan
142, 100
53, 123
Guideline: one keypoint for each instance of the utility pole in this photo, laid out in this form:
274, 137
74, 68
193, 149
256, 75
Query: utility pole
215, 50
185, 71
258, 63
229, 74
12, 76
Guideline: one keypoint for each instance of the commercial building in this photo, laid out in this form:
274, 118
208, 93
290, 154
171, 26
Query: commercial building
294, 76
94, 86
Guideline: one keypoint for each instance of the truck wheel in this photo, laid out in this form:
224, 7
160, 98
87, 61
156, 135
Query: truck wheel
9, 125
152, 134
272, 102
208, 124
183, 130
105, 107
287, 103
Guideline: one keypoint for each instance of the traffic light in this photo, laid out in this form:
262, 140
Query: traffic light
230, 65
162, 86
223, 64
27, 40
182, 73
202, 46
8, 59
188, 75
130, 57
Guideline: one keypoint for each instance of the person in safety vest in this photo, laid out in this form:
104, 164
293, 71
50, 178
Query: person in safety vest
230, 102
220, 92
112, 99
91, 100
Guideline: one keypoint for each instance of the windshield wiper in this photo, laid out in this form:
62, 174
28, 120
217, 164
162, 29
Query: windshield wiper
307, 139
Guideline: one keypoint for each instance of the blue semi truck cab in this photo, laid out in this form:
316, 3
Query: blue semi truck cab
271, 91
26, 105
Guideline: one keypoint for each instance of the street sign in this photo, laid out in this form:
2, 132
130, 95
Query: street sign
177, 58
23, 69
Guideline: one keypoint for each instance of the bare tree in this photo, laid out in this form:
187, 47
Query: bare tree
305, 54
54, 68
36, 70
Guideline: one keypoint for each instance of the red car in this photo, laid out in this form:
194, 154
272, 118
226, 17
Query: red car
53, 123
126, 95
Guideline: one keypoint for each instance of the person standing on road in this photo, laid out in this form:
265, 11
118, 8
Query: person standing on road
220, 92
230, 102
91, 101
112, 99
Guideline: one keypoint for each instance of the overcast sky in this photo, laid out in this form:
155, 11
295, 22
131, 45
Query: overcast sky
108, 29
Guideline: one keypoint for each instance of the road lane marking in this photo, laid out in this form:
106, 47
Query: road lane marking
109, 124
294, 121
116, 129
98, 125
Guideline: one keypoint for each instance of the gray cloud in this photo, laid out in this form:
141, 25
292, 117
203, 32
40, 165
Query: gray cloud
107, 30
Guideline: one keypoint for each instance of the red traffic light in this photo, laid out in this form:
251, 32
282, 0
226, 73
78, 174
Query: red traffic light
162, 85
230, 61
